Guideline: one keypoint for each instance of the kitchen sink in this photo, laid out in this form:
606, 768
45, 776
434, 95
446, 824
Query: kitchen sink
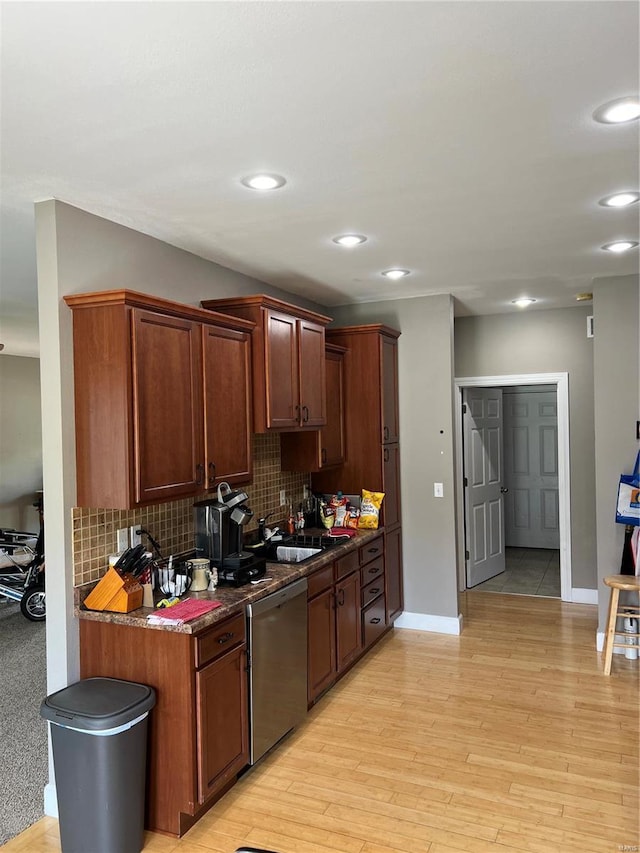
299, 547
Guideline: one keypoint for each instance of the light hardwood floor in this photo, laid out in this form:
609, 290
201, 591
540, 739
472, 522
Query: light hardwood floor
505, 739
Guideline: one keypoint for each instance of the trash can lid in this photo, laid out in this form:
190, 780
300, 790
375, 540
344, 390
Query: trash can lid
97, 704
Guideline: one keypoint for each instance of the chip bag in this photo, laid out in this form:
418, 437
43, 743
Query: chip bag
370, 509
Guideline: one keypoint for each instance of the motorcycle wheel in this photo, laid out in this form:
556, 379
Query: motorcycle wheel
32, 603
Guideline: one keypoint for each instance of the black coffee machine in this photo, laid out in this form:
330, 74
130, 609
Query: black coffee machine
219, 531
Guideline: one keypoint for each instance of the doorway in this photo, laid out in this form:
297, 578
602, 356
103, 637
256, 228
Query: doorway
557, 507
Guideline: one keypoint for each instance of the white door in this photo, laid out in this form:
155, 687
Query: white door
531, 467
484, 509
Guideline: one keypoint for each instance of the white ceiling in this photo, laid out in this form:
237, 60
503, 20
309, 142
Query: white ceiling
457, 135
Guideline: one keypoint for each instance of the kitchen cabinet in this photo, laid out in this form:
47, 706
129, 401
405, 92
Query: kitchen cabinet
288, 362
373, 597
149, 377
371, 422
323, 448
393, 572
198, 729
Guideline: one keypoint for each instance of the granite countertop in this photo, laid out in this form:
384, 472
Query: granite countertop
233, 599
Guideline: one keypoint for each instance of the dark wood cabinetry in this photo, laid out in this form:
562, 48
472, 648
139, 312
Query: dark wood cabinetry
393, 572
162, 397
198, 729
323, 448
288, 361
371, 432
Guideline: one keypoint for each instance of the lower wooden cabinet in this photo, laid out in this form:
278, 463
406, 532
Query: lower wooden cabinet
198, 729
393, 573
348, 631
321, 655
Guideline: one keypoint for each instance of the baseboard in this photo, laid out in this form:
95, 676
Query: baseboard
427, 622
50, 800
584, 596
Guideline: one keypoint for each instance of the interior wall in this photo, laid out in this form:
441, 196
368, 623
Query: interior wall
553, 341
425, 367
616, 305
20, 442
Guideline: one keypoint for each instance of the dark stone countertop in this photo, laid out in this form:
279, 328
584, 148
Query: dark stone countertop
233, 599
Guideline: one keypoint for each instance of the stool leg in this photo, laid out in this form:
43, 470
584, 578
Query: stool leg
611, 630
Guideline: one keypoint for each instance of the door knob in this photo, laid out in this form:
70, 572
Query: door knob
503, 490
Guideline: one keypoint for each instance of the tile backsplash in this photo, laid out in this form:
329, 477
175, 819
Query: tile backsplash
171, 524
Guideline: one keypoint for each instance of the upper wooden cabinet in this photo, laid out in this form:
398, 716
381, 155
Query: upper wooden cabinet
288, 361
163, 399
323, 448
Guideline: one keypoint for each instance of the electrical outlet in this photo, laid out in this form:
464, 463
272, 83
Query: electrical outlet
305, 492
283, 497
438, 490
122, 539
134, 535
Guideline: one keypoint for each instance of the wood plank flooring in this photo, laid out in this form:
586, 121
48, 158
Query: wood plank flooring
503, 740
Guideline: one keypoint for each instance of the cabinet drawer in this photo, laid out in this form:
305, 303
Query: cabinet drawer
347, 564
372, 590
219, 639
319, 581
373, 621
372, 570
371, 550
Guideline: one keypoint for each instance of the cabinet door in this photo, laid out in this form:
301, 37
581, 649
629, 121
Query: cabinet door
391, 485
389, 381
167, 407
222, 721
348, 627
312, 374
332, 435
227, 405
321, 625
281, 356
393, 573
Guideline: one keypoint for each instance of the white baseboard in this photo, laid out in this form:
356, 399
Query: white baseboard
50, 800
427, 622
584, 596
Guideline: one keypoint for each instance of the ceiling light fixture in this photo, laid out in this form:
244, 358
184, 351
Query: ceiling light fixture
618, 111
350, 239
619, 246
523, 301
263, 182
584, 297
623, 199
396, 273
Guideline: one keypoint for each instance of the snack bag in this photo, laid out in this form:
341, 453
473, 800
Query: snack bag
352, 518
370, 509
327, 515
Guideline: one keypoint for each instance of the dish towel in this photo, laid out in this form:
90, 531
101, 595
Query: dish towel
190, 608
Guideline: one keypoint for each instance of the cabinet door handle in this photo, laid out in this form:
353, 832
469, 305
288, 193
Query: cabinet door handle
373, 570
224, 638
212, 474
323, 454
385, 433
375, 620
386, 454
199, 474
341, 600
305, 409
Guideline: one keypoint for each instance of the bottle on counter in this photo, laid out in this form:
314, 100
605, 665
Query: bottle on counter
291, 525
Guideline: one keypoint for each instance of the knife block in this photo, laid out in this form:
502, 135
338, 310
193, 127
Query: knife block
116, 592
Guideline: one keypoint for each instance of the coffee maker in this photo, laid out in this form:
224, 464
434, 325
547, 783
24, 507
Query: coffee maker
219, 532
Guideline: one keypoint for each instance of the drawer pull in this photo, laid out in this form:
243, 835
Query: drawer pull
374, 591
224, 638
373, 570
375, 620
373, 550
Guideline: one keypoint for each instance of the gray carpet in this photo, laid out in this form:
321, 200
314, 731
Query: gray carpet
23, 734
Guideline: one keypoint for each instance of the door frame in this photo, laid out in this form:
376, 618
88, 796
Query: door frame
561, 381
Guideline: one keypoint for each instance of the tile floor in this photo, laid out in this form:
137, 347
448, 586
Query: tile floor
529, 571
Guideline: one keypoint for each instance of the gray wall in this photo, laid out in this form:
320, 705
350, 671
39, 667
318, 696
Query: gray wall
617, 408
553, 341
20, 442
425, 365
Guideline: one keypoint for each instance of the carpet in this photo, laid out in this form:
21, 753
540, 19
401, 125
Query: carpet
23, 733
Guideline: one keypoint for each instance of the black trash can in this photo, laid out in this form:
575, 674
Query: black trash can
99, 740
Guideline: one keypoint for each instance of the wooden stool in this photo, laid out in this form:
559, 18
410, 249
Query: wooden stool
628, 583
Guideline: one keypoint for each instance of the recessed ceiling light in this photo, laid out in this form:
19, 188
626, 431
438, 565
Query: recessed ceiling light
584, 297
523, 301
395, 273
620, 246
620, 110
620, 199
264, 182
350, 239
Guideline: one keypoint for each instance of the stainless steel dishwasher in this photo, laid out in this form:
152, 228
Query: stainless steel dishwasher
277, 666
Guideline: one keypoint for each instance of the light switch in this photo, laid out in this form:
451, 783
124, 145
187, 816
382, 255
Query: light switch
438, 490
